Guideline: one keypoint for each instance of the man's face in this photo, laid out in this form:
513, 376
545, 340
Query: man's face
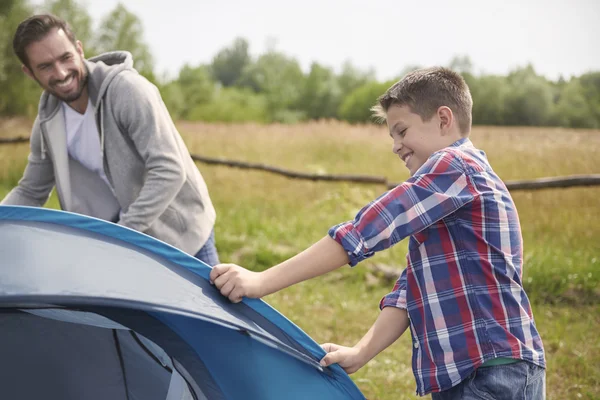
414, 139
57, 65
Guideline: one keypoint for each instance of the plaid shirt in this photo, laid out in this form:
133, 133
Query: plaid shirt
462, 285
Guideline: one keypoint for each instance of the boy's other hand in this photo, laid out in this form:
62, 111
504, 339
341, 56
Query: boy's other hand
349, 358
236, 282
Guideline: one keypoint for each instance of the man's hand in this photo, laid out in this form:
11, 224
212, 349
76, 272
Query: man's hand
349, 358
236, 282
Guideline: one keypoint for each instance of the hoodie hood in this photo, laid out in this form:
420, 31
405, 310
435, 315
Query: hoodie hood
101, 71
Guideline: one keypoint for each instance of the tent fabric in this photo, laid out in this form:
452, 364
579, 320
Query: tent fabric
43, 358
150, 306
134, 348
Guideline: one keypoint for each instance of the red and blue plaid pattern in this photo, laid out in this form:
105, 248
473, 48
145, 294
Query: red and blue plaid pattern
462, 287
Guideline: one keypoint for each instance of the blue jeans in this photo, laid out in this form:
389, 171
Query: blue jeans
518, 381
208, 253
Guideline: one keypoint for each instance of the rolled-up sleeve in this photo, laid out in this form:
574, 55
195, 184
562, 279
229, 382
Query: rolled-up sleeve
352, 241
397, 297
439, 188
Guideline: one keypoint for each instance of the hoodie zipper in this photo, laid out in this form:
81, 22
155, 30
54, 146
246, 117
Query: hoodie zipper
42, 143
102, 156
48, 149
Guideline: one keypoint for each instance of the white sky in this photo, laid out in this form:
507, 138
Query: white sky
556, 36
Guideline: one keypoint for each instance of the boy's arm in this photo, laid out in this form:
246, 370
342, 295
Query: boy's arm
441, 189
389, 326
236, 282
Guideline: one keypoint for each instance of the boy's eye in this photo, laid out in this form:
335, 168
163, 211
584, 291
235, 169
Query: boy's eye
403, 132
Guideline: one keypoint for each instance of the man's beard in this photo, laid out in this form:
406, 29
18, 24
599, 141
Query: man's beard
82, 83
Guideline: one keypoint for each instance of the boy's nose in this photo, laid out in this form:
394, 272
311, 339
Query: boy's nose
396, 148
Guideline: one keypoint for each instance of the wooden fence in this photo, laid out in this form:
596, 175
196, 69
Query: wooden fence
529, 184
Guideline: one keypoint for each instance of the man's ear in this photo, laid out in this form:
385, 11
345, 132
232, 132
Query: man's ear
79, 48
27, 71
446, 119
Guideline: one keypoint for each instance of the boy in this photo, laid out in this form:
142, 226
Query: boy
461, 293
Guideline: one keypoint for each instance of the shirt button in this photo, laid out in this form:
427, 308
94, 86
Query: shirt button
416, 345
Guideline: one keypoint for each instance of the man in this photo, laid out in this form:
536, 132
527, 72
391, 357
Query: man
104, 138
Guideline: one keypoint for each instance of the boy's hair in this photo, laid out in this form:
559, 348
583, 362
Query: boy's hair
425, 91
34, 29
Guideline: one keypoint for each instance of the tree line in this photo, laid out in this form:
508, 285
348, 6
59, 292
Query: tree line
272, 87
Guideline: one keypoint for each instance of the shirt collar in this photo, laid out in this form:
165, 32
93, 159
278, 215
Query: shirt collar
462, 142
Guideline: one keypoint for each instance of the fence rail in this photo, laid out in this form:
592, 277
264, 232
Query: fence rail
529, 184
18, 139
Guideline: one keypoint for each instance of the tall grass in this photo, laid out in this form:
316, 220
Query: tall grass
264, 218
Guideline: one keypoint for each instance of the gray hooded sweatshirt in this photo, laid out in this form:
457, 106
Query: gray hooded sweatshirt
155, 186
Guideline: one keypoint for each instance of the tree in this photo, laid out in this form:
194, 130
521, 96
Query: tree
76, 15
573, 109
356, 107
174, 99
228, 65
19, 93
123, 30
321, 95
232, 104
351, 78
6, 6
489, 95
281, 80
529, 100
194, 86
590, 84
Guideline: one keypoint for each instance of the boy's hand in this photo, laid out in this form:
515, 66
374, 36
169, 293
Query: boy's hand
236, 282
349, 358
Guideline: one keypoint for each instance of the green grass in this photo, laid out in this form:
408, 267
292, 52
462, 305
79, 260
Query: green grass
263, 219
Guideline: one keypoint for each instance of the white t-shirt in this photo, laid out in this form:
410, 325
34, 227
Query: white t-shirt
83, 139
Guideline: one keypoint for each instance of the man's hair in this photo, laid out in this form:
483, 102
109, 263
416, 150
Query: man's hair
34, 29
425, 91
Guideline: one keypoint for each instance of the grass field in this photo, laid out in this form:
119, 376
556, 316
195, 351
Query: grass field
264, 218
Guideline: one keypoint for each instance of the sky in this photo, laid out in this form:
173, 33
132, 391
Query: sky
556, 37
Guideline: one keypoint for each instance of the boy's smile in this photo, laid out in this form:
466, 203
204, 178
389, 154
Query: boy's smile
414, 139
406, 157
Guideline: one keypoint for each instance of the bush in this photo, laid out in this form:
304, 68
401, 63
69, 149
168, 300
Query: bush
357, 106
232, 105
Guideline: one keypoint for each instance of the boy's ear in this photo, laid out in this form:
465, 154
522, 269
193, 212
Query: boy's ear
446, 118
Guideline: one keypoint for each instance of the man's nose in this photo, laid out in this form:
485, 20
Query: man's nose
61, 72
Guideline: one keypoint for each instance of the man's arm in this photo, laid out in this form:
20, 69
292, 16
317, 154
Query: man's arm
236, 282
389, 326
37, 182
142, 114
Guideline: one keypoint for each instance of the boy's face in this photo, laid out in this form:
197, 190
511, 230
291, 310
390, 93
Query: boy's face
414, 139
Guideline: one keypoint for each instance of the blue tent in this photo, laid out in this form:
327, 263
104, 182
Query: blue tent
92, 310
